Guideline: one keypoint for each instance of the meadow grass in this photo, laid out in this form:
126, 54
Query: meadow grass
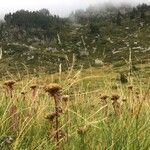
91, 118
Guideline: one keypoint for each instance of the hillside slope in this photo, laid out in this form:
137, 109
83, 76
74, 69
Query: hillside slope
94, 41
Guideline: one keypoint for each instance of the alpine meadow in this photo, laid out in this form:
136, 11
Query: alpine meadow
75, 82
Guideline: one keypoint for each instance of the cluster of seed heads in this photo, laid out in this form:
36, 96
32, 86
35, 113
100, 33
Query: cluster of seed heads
54, 90
115, 103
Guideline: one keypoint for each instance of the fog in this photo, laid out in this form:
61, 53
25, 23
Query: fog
59, 7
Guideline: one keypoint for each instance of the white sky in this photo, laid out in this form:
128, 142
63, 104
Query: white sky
60, 7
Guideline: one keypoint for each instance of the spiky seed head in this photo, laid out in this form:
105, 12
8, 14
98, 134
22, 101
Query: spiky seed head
115, 97
53, 89
9, 83
33, 87
104, 97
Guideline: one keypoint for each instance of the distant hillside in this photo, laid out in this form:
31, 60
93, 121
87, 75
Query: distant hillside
42, 42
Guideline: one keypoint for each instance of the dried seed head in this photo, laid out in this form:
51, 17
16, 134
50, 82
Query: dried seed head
52, 116
65, 98
23, 93
9, 83
137, 93
104, 97
53, 89
33, 87
115, 97
130, 87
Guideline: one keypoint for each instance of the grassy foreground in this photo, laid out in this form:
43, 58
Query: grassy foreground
98, 112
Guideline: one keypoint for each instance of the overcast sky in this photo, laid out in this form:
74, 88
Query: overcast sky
59, 7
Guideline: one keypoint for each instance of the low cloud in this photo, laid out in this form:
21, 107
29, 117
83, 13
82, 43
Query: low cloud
59, 7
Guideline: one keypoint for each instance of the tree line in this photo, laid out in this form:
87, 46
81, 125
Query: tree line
33, 19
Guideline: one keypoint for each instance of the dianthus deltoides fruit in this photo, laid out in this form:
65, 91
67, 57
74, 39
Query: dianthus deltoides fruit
54, 90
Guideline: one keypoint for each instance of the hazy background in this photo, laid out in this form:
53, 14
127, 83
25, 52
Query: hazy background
59, 7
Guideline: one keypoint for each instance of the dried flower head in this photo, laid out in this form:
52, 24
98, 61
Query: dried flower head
23, 93
52, 116
33, 87
130, 87
115, 97
53, 89
104, 97
65, 98
9, 83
